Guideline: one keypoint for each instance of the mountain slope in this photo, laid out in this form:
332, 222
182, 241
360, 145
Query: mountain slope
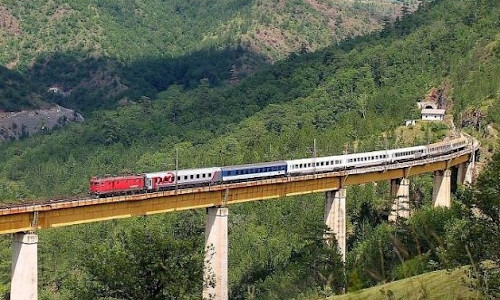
131, 30
345, 96
100, 53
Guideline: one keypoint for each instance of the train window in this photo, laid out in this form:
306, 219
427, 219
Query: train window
197, 176
191, 177
185, 177
209, 174
178, 178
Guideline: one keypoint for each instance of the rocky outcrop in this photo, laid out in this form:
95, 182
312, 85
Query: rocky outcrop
14, 125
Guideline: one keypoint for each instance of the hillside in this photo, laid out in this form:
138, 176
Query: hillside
100, 53
346, 96
131, 30
437, 285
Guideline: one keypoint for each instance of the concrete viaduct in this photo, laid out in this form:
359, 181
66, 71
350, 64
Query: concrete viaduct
24, 220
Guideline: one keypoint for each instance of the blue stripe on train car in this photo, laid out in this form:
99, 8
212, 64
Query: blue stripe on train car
250, 170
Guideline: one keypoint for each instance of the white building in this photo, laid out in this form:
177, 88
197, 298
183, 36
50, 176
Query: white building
410, 122
432, 114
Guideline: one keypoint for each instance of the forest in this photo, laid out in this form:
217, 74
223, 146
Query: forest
350, 96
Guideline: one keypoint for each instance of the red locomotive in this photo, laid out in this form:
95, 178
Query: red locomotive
118, 185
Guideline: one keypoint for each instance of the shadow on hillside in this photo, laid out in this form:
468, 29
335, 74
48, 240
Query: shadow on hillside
81, 81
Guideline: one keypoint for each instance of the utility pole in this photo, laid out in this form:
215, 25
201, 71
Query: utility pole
176, 166
315, 153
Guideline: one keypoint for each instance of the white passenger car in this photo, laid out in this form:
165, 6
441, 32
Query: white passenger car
168, 179
359, 160
314, 165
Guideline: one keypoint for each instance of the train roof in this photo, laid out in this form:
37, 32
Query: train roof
310, 159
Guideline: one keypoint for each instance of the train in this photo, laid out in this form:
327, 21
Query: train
175, 179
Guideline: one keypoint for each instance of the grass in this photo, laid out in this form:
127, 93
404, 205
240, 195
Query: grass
434, 285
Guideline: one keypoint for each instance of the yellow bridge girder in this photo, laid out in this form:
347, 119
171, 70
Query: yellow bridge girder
56, 214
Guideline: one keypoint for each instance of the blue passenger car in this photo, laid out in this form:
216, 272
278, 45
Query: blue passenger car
254, 171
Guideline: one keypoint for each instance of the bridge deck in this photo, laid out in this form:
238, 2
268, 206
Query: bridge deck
64, 213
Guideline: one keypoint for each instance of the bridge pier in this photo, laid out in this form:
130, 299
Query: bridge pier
24, 276
335, 216
441, 193
215, 278
400, 192
464, 173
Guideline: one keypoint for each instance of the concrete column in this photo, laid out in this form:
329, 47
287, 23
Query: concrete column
400, 192
461, 170
335, 219
24, 276
441, 194
215, 279
464, 173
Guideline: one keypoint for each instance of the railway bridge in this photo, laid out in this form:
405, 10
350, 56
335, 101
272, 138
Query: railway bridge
23, 220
